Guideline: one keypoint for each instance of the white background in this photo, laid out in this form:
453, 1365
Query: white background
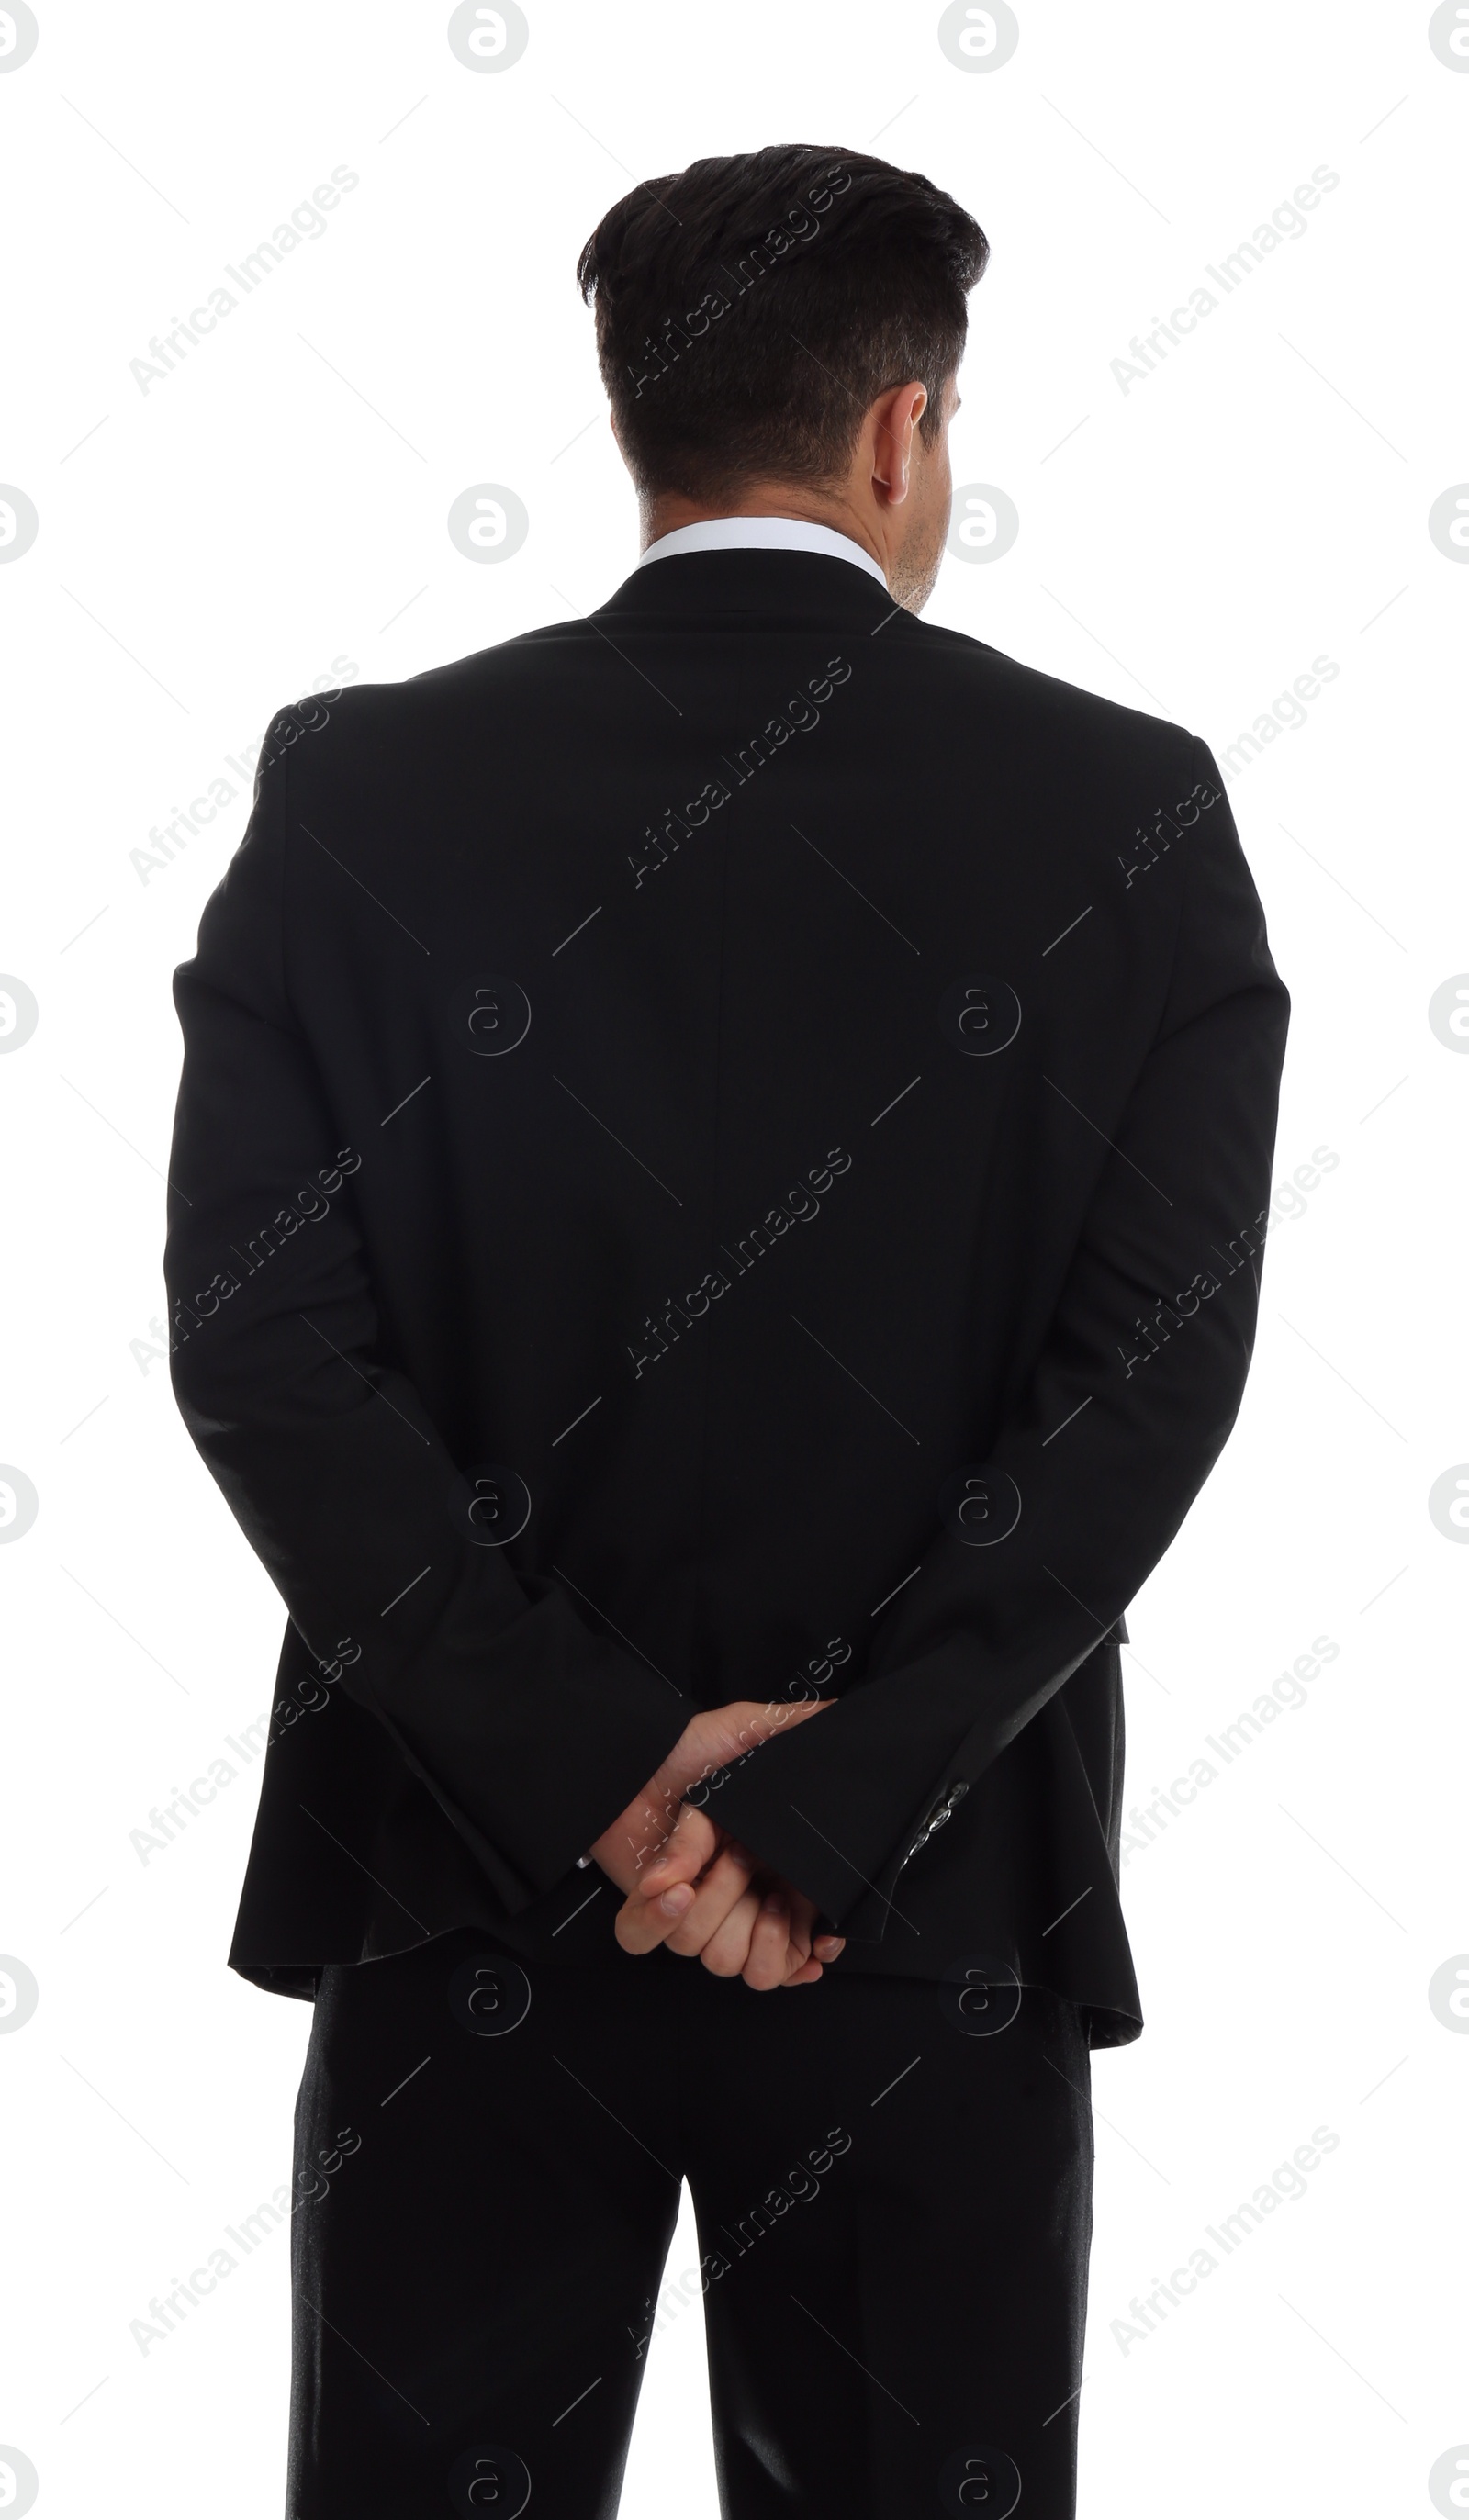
210, 548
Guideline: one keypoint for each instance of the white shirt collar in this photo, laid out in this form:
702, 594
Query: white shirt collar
762, 533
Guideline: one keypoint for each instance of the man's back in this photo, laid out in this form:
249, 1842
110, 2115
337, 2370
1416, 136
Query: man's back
727, 1048
721, 1160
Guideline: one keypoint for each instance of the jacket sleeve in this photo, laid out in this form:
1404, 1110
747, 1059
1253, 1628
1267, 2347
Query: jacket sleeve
530, 1731
1040, 1544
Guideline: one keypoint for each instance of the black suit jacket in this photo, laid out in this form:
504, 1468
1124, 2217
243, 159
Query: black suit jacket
723, 1150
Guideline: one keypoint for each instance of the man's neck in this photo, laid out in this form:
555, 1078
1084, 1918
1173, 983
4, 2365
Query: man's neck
665, 513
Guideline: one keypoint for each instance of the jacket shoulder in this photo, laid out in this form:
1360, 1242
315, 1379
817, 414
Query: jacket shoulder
1033, 714
357, 711
1047, 712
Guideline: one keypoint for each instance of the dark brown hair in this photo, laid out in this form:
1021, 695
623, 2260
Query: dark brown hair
751, 310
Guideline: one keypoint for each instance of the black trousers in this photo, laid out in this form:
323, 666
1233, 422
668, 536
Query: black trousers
892, 2187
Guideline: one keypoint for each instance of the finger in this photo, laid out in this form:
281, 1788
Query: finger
824, 1946
729, 1732
798, 1942
640, 1926
809, 1950
780, 1714
650, 1911
691, 1845
767, 1962
826, 1943
803, 1924
726, 1953
715, 1893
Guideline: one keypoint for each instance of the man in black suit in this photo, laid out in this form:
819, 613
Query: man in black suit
721, 1168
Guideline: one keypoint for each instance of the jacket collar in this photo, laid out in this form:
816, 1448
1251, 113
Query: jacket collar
778, 585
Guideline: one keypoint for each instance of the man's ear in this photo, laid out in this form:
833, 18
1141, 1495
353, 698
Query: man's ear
898, 415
